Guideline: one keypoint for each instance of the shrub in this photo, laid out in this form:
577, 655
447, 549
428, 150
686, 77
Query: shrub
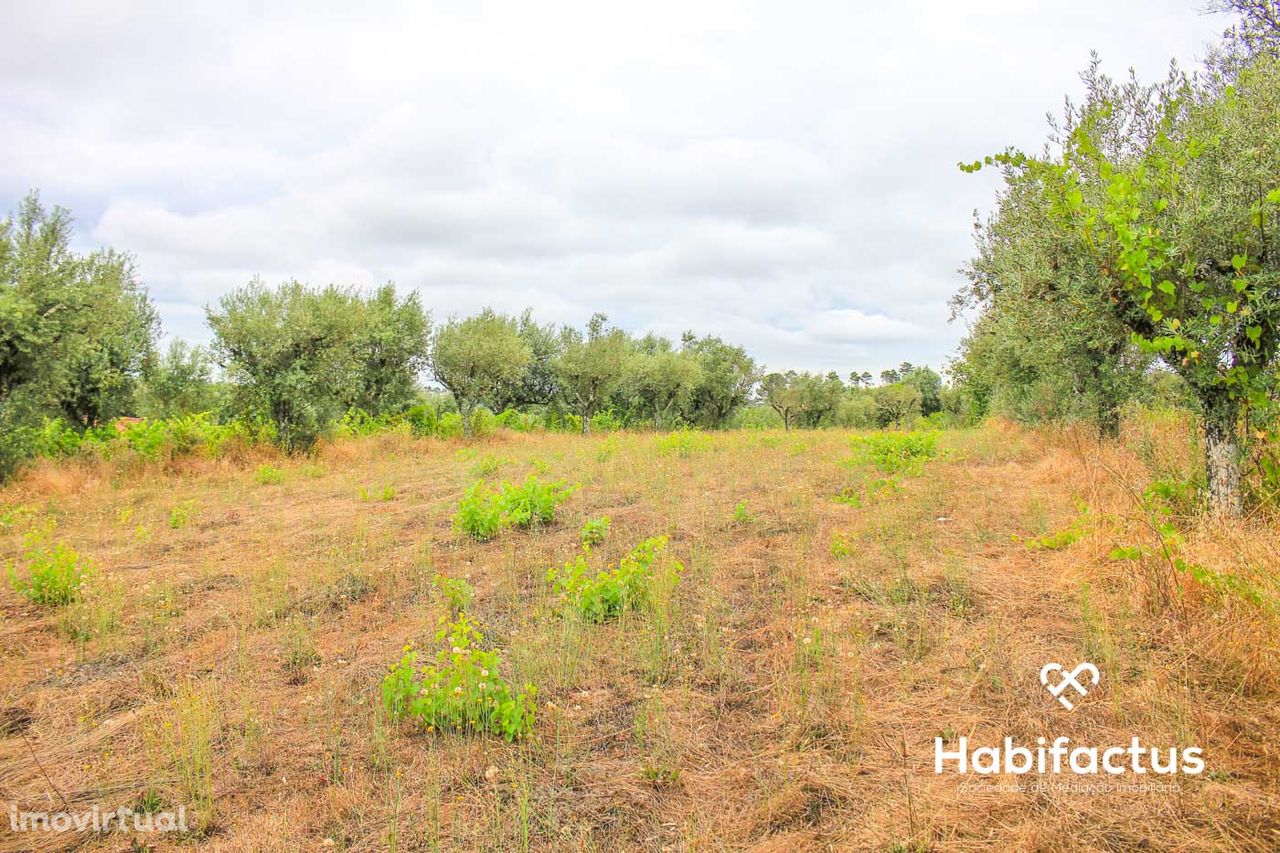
626, 587
268, 475
517, 421
421, 420
897, 453
386, 493
456, 592
449, 425
594, 531
533, 502
684, 443
488, 465
180, 515
479, 513
55, 571
461, 691
743, 515
483, 423
606, 422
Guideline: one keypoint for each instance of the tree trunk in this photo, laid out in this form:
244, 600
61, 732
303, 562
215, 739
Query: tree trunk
1108, 421
465, 411
586, 423
1222, 458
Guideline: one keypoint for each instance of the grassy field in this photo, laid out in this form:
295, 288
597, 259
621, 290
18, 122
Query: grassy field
832, 619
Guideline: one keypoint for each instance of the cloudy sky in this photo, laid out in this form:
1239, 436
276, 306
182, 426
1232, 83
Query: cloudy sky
781, 174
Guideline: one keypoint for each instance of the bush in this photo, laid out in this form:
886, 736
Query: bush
461, 691
533, 502
609, 593
684, 443
517, 421
605, 422
455, 592
558, 421
268, 475
482, 512
479, 513
422, 420
898, 453
55, 571
483, 423
449, 425
594, 531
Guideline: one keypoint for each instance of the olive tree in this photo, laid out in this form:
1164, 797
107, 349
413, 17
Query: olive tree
1172, 191
476, 358
662, 379
391, 345
75, 329
728, 377
804, 399
179, 382
288, 352
591, 366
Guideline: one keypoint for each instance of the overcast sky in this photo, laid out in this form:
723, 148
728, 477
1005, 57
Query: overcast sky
781, 174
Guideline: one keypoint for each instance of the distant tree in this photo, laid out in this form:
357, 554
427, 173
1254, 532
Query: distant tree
476, 358
179, 382
590, 367
728, 377
663, 380
537, 384
897, 404
929, 384
75, 330
102, 376
290, 354
781, 393
392, 345
802, 399
860, 380
821, 398
890, 376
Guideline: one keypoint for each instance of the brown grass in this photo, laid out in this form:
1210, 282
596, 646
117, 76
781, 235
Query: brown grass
793, 708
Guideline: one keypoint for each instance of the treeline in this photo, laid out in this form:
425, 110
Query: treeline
1139, 257
292, 363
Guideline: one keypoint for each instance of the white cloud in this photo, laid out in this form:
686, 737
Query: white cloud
782, 175
849, 325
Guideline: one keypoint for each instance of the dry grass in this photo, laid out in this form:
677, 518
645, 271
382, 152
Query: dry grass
790, 705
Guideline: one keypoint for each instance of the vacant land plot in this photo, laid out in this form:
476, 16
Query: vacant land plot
824, 608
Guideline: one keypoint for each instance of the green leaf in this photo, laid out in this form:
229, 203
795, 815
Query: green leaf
1168, 287
1239, 262
1254, 333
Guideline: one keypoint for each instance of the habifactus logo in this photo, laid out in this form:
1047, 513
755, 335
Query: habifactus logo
1060, 756
1082, 760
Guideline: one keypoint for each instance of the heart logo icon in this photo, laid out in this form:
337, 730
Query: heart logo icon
1069, 679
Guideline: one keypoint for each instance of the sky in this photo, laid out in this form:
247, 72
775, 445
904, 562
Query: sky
780, 174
